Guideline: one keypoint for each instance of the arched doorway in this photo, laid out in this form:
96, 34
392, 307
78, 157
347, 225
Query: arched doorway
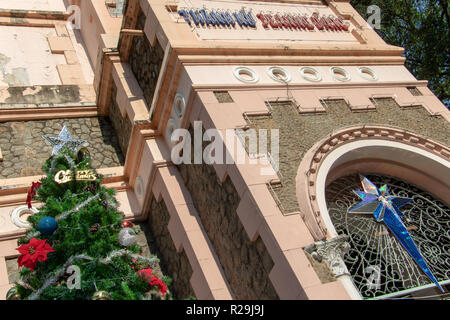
378, 264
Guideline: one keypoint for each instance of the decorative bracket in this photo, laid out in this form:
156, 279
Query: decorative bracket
332, 252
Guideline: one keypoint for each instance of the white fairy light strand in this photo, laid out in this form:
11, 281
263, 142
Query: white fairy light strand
123, 252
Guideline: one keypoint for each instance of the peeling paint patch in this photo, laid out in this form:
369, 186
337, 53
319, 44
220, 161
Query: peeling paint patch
25, 57
46, 5
37, 95
18, 77
31, 90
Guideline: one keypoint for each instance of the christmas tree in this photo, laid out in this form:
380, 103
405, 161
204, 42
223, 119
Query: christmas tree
80, 246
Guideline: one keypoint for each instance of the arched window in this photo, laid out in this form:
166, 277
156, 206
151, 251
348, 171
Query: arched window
377, 262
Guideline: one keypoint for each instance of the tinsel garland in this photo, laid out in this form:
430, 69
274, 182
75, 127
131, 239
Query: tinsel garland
77, 207
116, 253
52, 280
67, 213
111, 204
52, 166
72, 164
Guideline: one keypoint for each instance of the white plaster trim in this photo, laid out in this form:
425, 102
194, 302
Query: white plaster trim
304, 73
254, 76
179, 105
272, 70
428, 158
18, 212
334, 155
368, 73
336, 70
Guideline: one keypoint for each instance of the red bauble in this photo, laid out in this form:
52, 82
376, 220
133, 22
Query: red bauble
127, 224
36, 250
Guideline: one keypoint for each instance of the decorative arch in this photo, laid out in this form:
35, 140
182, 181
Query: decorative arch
378, 149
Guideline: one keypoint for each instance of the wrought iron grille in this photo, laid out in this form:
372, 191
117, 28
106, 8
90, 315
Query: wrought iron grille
377, 262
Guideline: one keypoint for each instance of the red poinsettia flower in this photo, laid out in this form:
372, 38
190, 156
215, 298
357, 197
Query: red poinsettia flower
32, 192
36, 250
152, 280
146, 273
161, 285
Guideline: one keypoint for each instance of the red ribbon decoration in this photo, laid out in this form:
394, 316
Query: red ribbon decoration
32, 192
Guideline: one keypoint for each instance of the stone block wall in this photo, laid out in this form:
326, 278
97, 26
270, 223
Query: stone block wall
122, 126
175, 265
299, 132
246, 264
25, 151
145, 61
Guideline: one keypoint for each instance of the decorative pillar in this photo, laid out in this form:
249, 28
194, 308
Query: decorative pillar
331, 251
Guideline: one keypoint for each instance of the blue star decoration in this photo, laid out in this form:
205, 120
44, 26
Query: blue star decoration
386, 208
64, 140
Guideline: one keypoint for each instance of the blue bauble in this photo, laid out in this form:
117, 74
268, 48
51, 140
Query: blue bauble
47, 226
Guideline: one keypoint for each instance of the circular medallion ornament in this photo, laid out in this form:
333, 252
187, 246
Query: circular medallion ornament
20, 211
179, 105
47, 226
311, 74
367, 73
340, 74
101, 295
245, 74
13, 294
127, 237
279, 74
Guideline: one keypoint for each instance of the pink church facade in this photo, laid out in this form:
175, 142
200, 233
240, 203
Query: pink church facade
340, 99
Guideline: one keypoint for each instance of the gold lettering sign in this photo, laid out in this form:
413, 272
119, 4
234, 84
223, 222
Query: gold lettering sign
64, 176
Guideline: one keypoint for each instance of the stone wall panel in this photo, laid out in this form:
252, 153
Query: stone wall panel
246, 264
174, 264
145, 61
122, 125
25, 150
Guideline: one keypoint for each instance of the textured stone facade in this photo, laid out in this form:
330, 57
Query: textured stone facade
175, 265
246, 264
25, 151
299, 132
122, 125
145, 61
